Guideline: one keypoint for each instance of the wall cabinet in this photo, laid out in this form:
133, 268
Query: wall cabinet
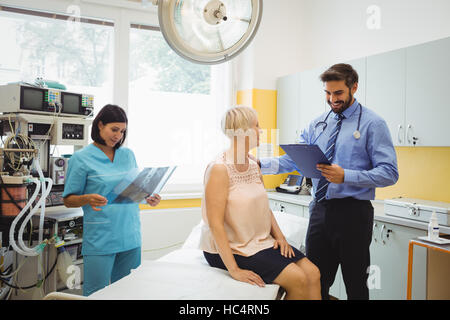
386, 90
312, 97
288, 105
300, 99
427, 103
406, 87
360, 66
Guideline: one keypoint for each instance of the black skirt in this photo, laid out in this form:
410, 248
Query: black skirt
267, 263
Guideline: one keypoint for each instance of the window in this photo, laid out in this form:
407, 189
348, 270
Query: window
75, 53
175, 108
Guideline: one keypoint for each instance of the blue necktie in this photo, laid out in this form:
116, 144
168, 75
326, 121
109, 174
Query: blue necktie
329, 153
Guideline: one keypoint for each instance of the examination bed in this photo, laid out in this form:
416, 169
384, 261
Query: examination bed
185, 274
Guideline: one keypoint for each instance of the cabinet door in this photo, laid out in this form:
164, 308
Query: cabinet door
294, 209
286, 207
274, 205
385, 91
427, 77
389, 263
360, 67
288, 105
312, 97
337, 290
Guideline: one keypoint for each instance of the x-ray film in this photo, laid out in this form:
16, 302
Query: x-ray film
139, 184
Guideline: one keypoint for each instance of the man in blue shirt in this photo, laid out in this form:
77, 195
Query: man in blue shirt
359, 146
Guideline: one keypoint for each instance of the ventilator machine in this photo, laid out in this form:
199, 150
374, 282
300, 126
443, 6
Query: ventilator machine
40, 239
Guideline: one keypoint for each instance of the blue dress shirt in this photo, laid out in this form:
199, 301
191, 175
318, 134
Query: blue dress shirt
368, 162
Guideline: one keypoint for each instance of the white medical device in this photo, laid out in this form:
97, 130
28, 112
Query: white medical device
32, 180
418, 209
19, 97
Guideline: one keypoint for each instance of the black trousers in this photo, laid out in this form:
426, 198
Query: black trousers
340, 232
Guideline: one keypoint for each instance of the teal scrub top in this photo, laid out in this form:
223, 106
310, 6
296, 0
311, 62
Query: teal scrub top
116, 228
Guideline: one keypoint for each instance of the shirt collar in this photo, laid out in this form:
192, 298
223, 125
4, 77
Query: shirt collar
349, 111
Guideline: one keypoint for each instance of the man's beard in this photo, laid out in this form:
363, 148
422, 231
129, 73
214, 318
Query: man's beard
345, 104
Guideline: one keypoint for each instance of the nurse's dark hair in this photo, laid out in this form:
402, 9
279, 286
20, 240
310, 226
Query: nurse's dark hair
339, 72
109, 113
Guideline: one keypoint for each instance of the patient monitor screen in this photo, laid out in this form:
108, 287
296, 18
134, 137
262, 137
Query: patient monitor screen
32, 99
71, 103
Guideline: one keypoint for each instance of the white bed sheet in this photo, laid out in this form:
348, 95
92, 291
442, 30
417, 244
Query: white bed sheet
182, 275
185, 274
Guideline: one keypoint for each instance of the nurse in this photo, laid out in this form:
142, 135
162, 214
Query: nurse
111, 232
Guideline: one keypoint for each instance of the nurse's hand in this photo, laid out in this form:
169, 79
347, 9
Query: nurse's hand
96, 200
153, 200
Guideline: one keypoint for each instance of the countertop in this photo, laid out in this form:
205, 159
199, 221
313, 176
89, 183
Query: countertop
378, 206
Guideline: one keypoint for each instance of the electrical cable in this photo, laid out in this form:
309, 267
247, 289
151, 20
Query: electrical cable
4, 280
22, 142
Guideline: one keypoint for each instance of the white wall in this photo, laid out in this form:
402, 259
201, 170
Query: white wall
296, 35
164, 230
276, 48
338, 29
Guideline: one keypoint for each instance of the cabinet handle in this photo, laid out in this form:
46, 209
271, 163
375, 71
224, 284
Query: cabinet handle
381, 233
407, 134
373, 232
388, 231
400, 128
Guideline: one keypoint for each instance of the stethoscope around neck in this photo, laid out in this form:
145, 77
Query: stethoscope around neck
324, 124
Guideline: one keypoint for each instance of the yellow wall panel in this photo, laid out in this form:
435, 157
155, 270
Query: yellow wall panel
424, 173
265, 103
169, 204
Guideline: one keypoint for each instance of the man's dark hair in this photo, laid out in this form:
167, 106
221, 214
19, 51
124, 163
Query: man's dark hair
339, 72
109, 113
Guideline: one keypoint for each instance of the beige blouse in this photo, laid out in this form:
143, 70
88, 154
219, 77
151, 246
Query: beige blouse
247, 213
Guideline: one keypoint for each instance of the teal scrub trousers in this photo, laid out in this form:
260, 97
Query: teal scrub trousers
102, 270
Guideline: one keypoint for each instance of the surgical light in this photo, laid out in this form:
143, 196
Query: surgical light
209, 31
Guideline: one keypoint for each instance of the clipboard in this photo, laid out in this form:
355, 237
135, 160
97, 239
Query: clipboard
306, 157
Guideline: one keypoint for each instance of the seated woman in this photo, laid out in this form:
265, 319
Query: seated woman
241, 234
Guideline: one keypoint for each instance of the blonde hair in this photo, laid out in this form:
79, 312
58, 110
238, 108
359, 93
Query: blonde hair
238, 119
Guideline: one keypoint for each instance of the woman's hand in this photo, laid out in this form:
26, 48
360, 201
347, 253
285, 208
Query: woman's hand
96, 200
247, 276
153, 200
285, 248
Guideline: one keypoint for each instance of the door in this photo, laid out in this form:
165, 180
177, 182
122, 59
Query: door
312, 97
389, 263
385, 91
360, 67
288, 105
427, 110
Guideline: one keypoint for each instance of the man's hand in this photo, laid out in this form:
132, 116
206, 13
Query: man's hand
333, 173
254, 159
